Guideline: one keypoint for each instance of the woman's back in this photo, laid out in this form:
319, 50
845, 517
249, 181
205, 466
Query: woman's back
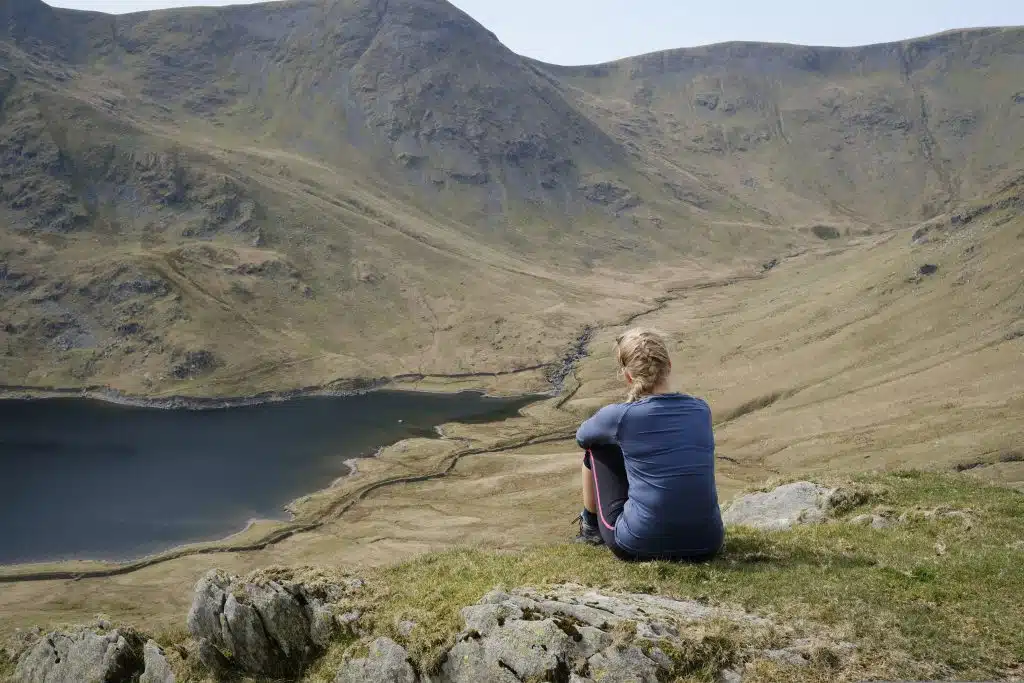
669, 451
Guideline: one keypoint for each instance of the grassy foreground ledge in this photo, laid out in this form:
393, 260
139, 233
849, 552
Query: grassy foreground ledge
931, 597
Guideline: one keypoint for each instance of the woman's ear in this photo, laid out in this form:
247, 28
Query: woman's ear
629, 377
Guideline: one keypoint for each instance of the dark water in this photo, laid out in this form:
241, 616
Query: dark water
93, 480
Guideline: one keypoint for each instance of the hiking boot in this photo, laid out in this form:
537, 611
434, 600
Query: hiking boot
588, 534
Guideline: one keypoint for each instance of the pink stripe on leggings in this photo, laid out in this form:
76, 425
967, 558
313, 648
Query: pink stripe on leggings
597, 492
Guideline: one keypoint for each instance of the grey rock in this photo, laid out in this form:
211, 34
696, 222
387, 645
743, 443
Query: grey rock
576, 678
880, 522
485, 618
527, 649
465, 663
874, 521
660, 658
194, 364
214, 659
157, 669
592, 640
622, 665
586, 614
81, 656
563, 631
388, 662
785, 656
706, 100
729, 676
321, 624
348, 619
405, 628
802, 502
267, 628
520, 601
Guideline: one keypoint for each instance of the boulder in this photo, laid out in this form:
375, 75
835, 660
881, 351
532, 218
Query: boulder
801, 502
623, 664
529, 650
388, 662
81, 656
577, 634
157, 670
272, 624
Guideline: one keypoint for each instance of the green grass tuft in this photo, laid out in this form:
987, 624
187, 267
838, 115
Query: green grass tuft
702, 657
6, 665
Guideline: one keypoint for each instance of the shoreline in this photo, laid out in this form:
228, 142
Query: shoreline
334, 389
274, 533
257, 533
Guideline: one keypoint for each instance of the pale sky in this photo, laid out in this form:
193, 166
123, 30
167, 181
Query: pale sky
589, 31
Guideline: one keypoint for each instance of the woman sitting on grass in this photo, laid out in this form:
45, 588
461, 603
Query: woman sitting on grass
649, 470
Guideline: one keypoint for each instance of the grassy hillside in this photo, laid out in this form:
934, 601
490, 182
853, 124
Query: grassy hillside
832, 363
229, 200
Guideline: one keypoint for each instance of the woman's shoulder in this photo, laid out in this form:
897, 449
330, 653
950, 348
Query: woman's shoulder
686, 402
676, 396
613, 409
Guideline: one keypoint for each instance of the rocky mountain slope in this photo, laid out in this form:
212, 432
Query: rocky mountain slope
229, 200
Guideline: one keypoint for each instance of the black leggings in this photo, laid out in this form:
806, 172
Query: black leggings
608, 468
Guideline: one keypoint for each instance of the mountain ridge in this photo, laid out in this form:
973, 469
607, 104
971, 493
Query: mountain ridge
301, 170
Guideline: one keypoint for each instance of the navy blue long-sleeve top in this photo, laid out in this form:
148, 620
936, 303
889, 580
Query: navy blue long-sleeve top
669, 450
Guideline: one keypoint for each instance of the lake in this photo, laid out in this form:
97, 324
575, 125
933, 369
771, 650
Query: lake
86, 479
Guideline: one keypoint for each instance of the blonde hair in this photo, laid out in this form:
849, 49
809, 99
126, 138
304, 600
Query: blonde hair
643, 354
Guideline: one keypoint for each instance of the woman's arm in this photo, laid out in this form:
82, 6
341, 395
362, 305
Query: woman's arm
602, 428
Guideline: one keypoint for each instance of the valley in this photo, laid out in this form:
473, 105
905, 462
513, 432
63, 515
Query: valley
212, 205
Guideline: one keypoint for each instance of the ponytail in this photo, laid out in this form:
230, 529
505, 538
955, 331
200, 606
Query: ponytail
643, 354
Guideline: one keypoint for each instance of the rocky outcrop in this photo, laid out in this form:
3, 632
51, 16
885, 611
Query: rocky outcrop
195, 364
91, 654
82, 655
272, 623
275, 623
157, 670
388, 661
572, 633
801, 502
